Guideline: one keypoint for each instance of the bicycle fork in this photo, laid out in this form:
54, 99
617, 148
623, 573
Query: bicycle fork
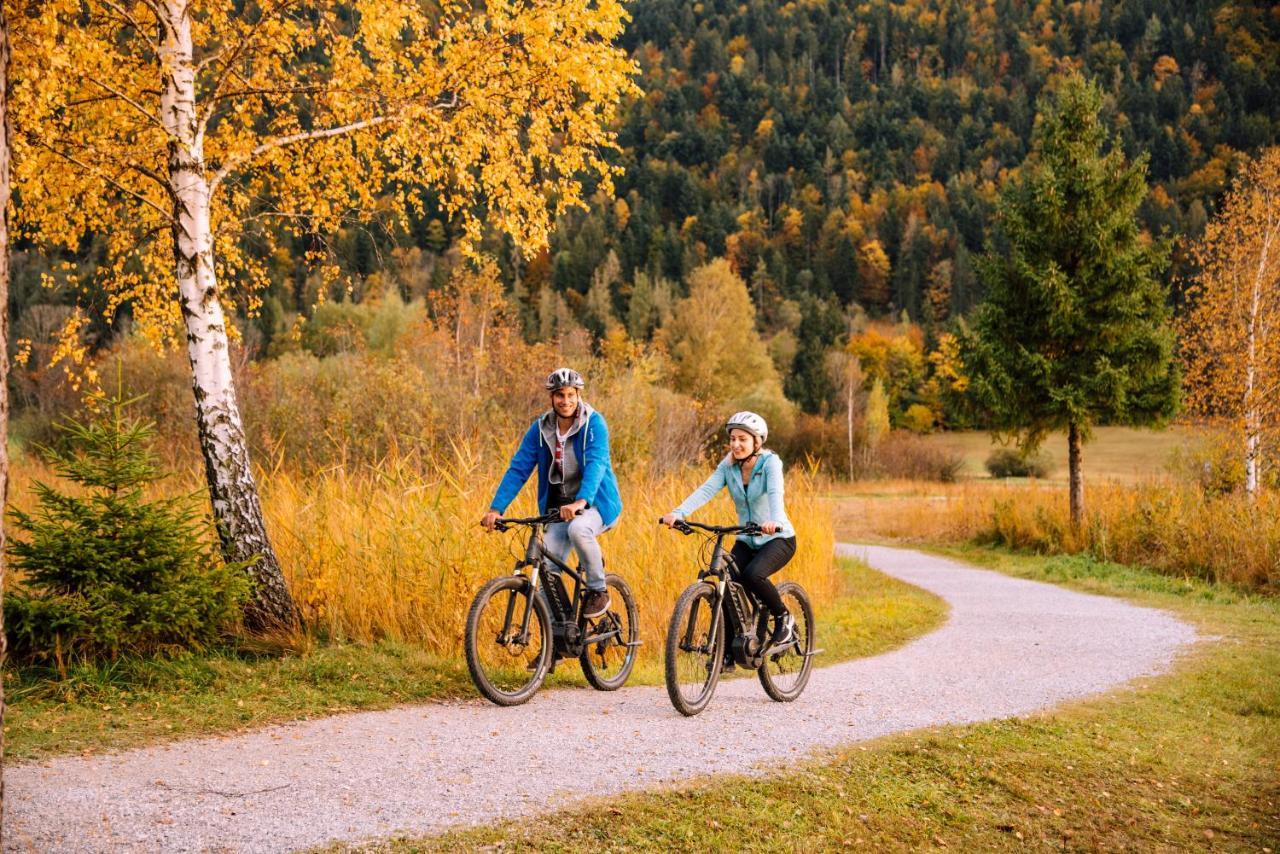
717, 610
506, 637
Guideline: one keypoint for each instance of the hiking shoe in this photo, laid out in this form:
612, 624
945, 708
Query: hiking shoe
595, 604
784, 631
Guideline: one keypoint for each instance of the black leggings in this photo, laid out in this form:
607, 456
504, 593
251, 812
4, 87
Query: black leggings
756, 565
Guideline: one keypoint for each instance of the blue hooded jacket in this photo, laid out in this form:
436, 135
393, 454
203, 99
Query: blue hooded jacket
590, 443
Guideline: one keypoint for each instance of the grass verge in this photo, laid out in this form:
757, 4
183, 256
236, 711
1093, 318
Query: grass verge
134, 702
1190, 759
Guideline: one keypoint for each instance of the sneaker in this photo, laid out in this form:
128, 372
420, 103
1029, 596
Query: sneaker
596, 603
784, 631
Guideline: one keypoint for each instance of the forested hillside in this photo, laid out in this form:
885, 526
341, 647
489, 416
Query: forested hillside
834, 153
839, 152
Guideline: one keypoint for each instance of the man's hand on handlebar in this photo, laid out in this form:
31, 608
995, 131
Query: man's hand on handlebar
568, 511
490, 520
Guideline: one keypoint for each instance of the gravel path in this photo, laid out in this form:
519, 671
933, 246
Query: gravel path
1010, 647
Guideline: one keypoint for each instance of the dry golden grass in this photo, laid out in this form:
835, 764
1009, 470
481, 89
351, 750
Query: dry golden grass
1161, 524
1123, 454
395, 553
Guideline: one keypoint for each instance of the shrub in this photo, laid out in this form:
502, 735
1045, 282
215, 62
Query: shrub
918, 418
1215, 461
906, 455
107, 572
379, 325
822, 441
1008, 462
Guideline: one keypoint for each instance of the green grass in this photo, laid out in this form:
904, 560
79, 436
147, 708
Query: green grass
1186, 760
134, 702
1122, 454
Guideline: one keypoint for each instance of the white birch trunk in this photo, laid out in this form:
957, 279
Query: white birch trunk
1252, 419
1252, 404
231, 487
848, 416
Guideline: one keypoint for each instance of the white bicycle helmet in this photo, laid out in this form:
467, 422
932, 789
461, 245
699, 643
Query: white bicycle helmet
563, 378
752, 423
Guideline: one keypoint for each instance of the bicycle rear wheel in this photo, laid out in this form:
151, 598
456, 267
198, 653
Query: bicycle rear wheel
693, 655
607, 663
507, 666
784, 674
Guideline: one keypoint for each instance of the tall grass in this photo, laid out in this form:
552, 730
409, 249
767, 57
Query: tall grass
396, 551
1168, 526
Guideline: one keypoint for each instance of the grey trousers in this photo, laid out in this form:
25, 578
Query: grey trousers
580, 535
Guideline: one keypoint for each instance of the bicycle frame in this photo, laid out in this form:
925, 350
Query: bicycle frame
732, 602
567, 623
732, 605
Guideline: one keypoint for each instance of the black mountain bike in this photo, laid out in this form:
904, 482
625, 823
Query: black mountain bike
718, 623
521, 624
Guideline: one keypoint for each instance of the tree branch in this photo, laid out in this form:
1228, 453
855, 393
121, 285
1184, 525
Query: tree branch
308, 136
123, 97
97, 173
124, 13
235, 54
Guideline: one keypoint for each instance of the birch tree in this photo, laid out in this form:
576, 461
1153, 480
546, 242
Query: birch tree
845, 371
193, 136
1231, 336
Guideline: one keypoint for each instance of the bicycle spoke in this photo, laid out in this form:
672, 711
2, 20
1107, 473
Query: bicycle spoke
693, 652
505, 656
607, 660
785, 671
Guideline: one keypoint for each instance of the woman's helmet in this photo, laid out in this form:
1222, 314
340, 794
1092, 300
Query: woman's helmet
750, 422
563, 378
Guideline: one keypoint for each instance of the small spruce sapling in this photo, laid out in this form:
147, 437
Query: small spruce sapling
105, 571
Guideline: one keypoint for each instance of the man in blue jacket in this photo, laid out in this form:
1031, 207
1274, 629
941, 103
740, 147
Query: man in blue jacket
569, 445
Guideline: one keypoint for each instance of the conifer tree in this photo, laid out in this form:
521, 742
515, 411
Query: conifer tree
1075, 329
107, 572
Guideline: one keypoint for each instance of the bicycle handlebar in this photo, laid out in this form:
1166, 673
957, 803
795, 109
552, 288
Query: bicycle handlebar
686, 527
502, 524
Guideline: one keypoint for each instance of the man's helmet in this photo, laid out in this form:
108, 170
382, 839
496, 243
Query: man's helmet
750, 422
564, 378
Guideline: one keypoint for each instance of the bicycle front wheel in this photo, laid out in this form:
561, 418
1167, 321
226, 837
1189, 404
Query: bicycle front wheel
784, 673
694, 654
607, 662
507, 663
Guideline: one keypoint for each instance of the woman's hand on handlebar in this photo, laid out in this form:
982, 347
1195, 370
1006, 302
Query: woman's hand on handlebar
490, 520
770, 527
668, 520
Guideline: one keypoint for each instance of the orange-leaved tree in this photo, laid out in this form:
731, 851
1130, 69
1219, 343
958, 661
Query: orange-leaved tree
191, 137
4, 352
1231, 336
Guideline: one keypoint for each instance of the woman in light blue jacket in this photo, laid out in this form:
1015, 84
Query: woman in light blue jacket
753, 477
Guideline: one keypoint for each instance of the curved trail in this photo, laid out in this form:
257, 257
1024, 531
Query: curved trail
1010, 647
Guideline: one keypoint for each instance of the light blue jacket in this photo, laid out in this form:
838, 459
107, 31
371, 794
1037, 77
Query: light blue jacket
761, 501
